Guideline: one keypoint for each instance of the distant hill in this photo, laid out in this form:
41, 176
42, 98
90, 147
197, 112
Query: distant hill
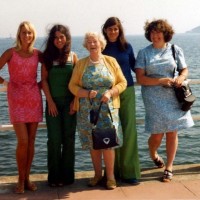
194, 30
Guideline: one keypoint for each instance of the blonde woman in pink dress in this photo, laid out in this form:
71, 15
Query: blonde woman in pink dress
24, 99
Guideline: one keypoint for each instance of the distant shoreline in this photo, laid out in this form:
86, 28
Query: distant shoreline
128, 35
194, 30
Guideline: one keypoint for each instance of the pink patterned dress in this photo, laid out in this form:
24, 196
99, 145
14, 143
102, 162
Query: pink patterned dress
24, 95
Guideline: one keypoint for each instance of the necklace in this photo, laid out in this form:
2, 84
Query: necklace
95, 62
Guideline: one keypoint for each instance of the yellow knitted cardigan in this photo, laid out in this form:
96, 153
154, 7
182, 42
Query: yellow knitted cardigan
119, 81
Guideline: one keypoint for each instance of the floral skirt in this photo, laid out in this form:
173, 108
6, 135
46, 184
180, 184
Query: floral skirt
84, 127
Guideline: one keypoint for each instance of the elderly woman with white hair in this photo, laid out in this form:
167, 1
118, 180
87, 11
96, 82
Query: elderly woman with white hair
97, 78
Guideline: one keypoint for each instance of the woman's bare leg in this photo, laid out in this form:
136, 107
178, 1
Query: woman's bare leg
171, 148
96, 156
109, 160
24, 152
154, 143
32, 129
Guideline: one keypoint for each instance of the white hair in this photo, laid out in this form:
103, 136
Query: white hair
97, 35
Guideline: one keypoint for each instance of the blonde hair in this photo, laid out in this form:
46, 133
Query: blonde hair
29, 27
99, 36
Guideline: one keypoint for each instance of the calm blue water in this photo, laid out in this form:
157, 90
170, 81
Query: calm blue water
189, 140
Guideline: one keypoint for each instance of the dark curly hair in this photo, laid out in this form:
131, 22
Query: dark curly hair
51, 52
111, 21
159, 25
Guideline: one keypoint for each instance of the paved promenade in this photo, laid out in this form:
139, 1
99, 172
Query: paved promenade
184, 186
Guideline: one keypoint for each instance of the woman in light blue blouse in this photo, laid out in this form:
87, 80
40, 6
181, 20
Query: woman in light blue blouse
155, 72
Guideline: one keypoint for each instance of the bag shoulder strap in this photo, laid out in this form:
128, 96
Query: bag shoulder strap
99, 110
173, 52
174, 56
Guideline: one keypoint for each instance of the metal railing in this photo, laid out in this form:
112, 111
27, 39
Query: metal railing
6, 127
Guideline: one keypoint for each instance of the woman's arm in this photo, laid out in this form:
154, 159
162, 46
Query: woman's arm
5, 57
142, 79
52, 109
75, 81
120, 83
132, 59
75, 58
184, 73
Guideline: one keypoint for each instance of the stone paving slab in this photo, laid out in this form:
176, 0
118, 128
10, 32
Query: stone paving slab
184, 186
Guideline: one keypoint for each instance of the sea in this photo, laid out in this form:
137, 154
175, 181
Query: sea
189, 139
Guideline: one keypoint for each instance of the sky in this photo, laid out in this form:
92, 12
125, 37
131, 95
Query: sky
82, 16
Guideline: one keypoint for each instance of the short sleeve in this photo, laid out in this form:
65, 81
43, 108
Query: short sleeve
180, 58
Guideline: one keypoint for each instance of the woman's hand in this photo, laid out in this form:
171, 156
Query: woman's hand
52, 109
71, 110
179, 80
106, 96
92, 94
166, 82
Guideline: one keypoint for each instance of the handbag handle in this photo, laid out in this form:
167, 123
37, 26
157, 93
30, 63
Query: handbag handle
97, 117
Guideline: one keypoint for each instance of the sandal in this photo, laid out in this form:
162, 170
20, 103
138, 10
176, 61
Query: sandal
167, 176
95, 181
30, 186
19, 189
111, 184
159, 162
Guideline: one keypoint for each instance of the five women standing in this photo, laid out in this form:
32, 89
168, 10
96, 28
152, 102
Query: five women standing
96, 78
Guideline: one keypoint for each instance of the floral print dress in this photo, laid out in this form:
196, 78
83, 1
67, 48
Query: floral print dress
24, 95
96, 77
163, 111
